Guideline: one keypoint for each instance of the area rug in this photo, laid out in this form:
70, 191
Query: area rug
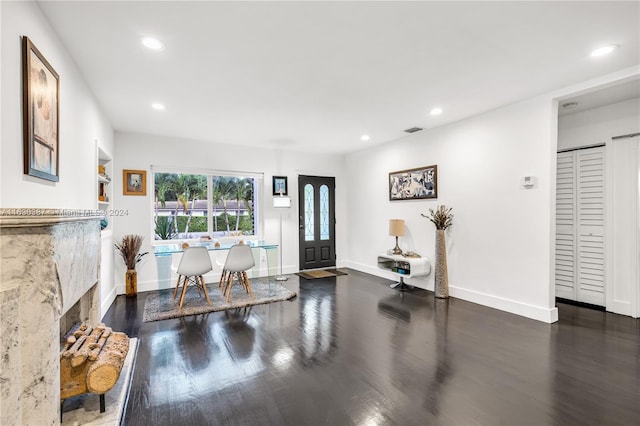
161, 305
85, 409
320, 273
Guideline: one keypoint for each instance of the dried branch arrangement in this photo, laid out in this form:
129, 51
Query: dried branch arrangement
129, 248
442, 217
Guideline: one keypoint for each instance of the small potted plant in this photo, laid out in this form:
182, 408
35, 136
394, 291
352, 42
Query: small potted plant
129, 249
442, 218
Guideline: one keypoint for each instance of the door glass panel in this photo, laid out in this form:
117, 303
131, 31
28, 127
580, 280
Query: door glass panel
324, 212
309, 224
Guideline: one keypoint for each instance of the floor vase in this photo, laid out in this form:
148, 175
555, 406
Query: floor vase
131, 281
441, 286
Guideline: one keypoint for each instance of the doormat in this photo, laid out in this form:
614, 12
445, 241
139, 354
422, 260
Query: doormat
320, 273
161, 305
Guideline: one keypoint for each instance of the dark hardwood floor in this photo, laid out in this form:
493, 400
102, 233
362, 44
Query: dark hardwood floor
351, 351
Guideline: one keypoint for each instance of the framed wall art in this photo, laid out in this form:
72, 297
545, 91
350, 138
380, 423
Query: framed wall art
134, 182
280, 185
414, 184
40, 103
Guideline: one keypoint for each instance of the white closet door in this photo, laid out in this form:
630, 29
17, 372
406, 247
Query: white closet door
580, 226
590, 209
565, 226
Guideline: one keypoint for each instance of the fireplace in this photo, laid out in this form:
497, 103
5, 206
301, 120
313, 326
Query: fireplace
49, 271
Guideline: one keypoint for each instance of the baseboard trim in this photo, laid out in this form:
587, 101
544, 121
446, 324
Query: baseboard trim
523, 309
512, 306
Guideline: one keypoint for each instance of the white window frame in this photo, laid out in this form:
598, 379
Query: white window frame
258, 197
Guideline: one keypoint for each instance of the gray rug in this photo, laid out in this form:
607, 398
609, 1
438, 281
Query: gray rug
161, 305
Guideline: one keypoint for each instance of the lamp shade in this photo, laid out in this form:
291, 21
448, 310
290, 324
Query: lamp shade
396, 227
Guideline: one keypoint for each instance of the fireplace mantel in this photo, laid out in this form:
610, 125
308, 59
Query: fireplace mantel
49, 261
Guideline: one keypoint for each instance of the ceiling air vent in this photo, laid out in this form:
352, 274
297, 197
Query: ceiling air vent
413, 130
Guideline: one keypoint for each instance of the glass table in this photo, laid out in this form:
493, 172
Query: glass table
219, 253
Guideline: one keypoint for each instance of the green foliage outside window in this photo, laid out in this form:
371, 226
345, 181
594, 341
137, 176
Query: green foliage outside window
186, 194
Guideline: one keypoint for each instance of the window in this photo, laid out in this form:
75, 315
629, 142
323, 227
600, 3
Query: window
193, 205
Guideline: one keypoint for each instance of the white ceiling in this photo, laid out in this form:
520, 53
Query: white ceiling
315, 76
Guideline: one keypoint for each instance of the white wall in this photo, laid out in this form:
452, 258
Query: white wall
499, 246
81, 120
139, 152
599, 125
82, 123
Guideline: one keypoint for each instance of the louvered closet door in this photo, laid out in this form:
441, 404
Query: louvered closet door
580, 226
565, 226
590, 208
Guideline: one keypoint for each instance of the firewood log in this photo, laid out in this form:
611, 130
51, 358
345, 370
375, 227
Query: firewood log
103, 374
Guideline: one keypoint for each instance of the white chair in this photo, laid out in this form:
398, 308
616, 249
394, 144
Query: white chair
220, 256
239, 260
194, 264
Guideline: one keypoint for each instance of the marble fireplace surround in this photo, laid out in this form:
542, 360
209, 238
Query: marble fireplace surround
49, 261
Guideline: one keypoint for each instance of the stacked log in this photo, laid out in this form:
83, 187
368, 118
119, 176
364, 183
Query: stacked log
91, 360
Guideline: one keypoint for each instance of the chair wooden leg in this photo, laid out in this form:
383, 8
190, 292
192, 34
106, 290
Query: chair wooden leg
197, 284
175, 292
229, 285
184, 291
245, 281
223, 284
248, 284
222, 278
204, 288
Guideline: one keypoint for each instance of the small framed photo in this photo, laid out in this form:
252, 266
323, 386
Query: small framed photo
40, 99
134, 182
280, 185
414, 184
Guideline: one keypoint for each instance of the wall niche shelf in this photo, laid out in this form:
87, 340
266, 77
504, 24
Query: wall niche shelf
104, 172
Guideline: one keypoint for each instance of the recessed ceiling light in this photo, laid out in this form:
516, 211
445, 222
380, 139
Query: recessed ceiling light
153, 43
157, 106
435, 111
365, 137
604, 50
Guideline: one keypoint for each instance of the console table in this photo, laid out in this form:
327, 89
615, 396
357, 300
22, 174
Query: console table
404, 267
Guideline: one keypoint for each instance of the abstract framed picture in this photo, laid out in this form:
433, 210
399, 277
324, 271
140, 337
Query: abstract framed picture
40, 103
414, 184
134, 182
280, 185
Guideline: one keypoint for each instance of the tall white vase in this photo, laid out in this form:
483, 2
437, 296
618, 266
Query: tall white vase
441, 286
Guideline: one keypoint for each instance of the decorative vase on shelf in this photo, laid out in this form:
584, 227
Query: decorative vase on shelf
442, 218
131, 282
441, 286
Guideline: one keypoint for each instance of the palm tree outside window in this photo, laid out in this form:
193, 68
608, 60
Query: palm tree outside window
183, 207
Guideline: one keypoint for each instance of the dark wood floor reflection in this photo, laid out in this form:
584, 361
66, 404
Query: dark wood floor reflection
351, 351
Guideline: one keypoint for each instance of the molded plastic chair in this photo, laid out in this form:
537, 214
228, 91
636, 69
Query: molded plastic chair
220, 256
195, 262
239, 260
